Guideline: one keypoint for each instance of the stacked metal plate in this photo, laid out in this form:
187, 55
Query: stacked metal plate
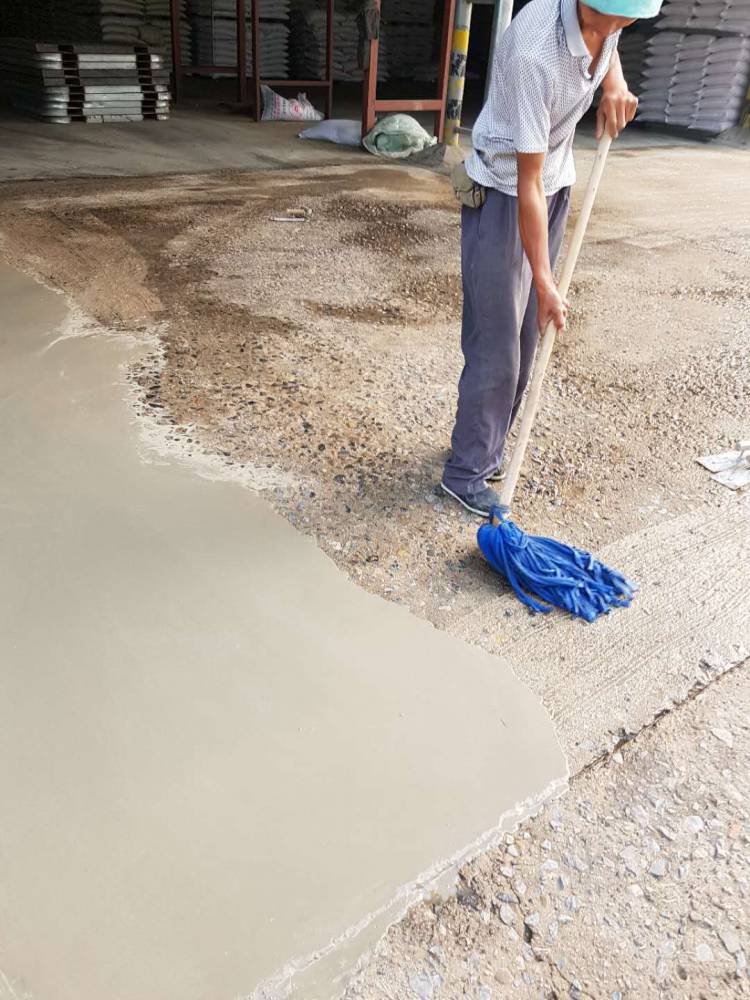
87, 83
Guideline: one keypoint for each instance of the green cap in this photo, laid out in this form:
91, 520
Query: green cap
626, 8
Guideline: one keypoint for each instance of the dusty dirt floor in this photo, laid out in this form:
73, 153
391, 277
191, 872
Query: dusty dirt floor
634, 886
320, 361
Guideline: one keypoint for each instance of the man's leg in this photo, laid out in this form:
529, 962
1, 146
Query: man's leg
496, 281
558, 215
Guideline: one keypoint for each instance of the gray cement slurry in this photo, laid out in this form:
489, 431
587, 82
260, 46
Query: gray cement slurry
218, 757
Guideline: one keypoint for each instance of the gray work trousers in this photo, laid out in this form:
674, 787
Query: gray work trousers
499, 332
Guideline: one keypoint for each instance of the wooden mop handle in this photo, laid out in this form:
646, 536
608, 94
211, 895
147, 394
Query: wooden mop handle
550, 332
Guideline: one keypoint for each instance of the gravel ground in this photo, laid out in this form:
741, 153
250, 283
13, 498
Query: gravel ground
320, 359
635, 885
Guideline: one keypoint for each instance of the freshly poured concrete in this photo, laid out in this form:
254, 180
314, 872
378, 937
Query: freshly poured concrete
217, 755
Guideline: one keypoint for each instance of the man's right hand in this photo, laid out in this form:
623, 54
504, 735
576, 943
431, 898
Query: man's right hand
551, 307
533, 223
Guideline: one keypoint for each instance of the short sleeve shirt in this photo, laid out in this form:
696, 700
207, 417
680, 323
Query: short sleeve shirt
540, 88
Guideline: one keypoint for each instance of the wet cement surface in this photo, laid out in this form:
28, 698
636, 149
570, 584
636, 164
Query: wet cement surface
217, 754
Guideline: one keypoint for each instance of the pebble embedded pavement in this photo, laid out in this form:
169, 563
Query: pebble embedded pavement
636, 884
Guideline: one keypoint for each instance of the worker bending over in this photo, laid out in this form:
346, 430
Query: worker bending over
515, 190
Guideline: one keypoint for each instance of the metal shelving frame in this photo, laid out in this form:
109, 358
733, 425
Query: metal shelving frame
372, 105
240, 68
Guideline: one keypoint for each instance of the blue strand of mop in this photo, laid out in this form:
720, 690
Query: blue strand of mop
545, 573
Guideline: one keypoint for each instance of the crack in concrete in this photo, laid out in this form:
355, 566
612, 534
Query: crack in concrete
713, 676
541, 954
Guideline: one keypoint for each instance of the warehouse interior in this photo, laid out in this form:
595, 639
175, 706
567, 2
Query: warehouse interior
689, 67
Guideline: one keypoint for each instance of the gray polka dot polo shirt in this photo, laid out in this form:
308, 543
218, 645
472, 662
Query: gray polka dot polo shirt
540, 88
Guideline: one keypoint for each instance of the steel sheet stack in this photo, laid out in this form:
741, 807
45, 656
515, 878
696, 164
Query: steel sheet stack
86, 83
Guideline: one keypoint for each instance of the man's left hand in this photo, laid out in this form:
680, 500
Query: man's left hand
616, 109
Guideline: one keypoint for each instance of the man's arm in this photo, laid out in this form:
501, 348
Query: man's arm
617, 106
533, 223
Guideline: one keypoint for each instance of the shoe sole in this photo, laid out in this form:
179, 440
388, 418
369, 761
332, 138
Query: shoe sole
473, 510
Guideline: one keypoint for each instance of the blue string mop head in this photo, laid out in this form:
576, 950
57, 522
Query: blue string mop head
545, 573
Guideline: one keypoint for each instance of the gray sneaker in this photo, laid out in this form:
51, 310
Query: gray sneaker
497, 475
480, 503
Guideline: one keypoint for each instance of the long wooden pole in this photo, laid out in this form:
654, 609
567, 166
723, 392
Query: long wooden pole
550, 332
